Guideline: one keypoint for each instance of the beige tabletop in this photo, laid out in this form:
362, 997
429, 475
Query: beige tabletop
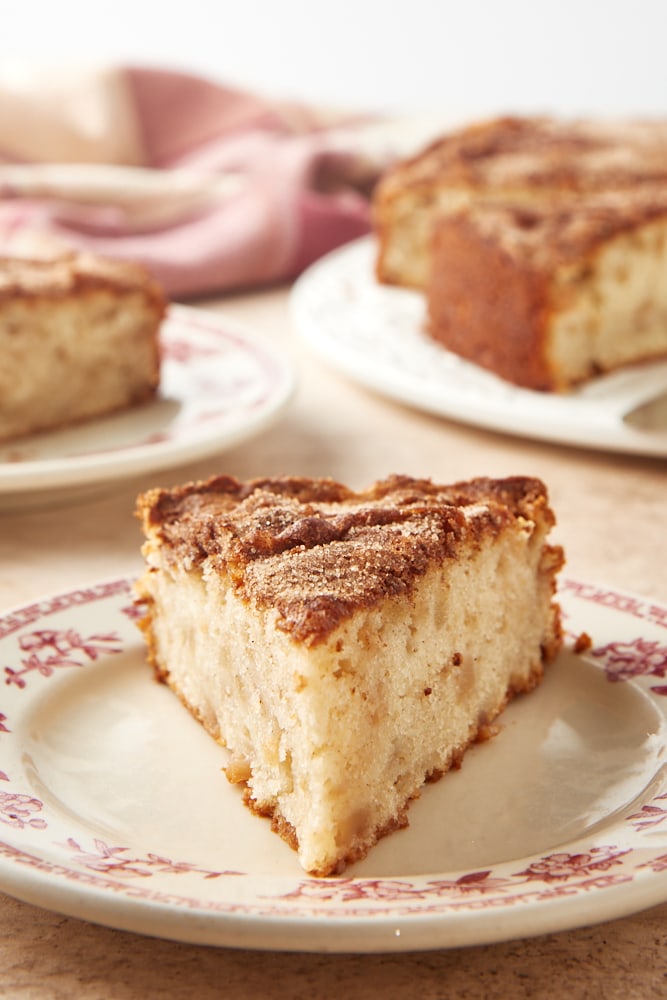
612, 521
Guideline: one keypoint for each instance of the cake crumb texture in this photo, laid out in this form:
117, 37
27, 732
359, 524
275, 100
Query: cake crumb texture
346, 647
78, 338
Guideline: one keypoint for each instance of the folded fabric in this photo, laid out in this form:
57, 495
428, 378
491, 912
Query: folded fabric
213, 189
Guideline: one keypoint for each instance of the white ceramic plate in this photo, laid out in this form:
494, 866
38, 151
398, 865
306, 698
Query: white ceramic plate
373, 333
113, 807
219, 385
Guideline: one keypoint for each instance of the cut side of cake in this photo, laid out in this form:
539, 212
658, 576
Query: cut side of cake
347, 647
78, 339
523, 161
550, 296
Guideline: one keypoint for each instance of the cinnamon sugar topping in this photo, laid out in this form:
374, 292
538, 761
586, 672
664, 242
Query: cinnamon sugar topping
315, 550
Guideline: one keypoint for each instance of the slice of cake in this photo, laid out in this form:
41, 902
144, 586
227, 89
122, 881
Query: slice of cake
550, 296
78, 339
512, 159
347, 647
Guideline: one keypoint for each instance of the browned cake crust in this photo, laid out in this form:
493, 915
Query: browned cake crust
74, 273
502, 273
522, 160
509, 153
341, 550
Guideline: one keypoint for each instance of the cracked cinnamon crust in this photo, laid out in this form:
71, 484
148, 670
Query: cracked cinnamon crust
347, 646
78, 339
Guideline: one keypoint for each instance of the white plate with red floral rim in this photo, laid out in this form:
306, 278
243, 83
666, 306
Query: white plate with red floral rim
114, 807
374, 334
220, 385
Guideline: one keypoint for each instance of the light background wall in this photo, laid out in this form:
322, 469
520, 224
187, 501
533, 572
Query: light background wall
442, 56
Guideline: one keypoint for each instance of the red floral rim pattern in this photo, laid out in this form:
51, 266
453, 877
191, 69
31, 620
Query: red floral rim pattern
43, 651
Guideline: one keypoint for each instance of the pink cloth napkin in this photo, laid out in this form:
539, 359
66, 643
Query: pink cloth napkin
211, 188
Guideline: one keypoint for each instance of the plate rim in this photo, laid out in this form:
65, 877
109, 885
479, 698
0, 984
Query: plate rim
576, 420
123, 463
116, 905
